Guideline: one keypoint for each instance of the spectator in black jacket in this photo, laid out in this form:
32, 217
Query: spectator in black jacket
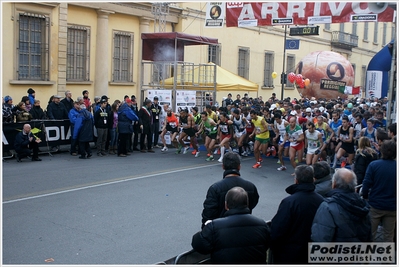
37, 112
363, 157
291, 226
344, 215
56, 110
214, 206
238, 237
156, 111
101, 122
24, 142
68, 101
322, 178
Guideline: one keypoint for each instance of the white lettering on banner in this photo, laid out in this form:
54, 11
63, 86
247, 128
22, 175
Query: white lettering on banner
298, 8
247, 12
270, 8
336, 11
54, 129
5, 141
55, 133
234, 4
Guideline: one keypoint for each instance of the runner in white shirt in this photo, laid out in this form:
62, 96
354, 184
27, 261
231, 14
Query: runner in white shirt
283, 147
313, 143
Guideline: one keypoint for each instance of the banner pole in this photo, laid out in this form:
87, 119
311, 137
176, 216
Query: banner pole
283, 73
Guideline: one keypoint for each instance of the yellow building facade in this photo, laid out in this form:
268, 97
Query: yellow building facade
55, 47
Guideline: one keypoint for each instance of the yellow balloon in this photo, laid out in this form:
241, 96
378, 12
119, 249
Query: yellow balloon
274, 74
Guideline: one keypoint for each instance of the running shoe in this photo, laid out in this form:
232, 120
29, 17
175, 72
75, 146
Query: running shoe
194, 152
220, 160
208, 155
274, 152
257, 166
244, 154
197, 154
343, 164
210, 158
278, 162
179, 149
164, 149
186, 149
282, 168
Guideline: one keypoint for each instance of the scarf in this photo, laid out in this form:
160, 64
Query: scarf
228, 172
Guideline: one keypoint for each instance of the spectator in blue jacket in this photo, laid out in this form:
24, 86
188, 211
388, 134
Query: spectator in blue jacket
380, 180
72, 115
126, 117
84, 131
31, 95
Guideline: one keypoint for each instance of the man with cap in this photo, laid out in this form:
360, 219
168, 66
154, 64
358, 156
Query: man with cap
145, 120
56, 110
8, 116
156, 111
102, 124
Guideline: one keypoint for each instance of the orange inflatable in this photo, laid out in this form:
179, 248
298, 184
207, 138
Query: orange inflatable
326, 71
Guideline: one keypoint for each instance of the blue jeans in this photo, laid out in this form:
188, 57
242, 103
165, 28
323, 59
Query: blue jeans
114, 137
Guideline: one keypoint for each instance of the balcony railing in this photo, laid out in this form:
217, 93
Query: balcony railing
344, 40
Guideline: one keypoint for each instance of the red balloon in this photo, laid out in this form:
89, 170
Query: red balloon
291, 77
302, 84
298, 78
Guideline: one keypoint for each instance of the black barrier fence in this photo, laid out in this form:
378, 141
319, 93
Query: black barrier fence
51, 132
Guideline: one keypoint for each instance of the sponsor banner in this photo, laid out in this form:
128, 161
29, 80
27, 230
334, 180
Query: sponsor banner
51, 132
331, 85
361, 18
351, 252
164, 96
373, 83
215, 13
302, 13
185, 99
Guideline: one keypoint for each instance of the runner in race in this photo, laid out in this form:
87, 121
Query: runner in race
313, 143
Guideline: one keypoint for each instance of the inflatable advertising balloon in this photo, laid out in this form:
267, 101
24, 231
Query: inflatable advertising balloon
326, 72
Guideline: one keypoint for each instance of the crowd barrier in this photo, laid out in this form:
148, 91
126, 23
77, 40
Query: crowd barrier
51, 132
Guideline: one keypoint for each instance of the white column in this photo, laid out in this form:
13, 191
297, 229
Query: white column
101, 74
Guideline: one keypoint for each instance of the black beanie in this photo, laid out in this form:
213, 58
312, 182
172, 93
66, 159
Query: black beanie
31, 91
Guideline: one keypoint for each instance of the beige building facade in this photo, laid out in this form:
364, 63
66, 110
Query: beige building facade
55, 47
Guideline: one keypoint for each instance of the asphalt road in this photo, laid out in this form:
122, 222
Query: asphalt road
141, 209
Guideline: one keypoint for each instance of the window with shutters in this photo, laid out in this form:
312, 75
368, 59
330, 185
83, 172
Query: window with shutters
269, 67
290, 68
122, 61
78, 54
214, 54
243, 62
33, 47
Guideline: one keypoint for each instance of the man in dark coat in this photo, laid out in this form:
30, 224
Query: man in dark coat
156, 111
84, 132
238, 237
24, 142
291, 226
37, 112
322, 178
126, 117
68, 101
343, 216
56, 110
214, 206
145, 118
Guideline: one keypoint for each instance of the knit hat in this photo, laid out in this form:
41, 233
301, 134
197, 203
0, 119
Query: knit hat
7, 98
84, 92
31, 91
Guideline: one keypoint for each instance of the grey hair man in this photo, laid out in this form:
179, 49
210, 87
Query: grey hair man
344, 215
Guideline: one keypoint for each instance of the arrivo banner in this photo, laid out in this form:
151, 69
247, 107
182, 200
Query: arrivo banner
244, 14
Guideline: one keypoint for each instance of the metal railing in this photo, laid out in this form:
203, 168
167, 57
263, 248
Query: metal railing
344, 40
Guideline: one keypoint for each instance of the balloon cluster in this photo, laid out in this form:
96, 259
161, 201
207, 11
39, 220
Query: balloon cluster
298, 80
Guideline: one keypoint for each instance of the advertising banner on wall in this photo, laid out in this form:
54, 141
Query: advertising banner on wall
374, 84
185, 99
164, 96
215, 13
244, 14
